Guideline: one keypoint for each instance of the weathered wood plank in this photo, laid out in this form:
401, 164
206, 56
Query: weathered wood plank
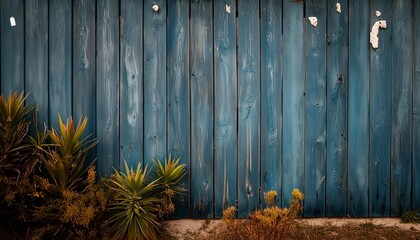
416, 109
337, 62
271, 96
225, 106
178, 94
12, 47
154, 65
131, 74
402, 83
36, 57
60, 60
248, 107
84, 65
358, 112
293, 98
107, 85
202, 108
380, 114
316, 115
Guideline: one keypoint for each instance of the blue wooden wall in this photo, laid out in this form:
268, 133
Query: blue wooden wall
252, 99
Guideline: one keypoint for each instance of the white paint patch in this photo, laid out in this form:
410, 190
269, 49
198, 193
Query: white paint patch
155, 8
377, 13
228, 8
374, 39
338, 7
12, 21
313, 20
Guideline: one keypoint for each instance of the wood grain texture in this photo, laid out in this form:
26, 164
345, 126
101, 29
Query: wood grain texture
178, 94
154, 65
201, 64
84, 66
358, 109
12, 61
131, 77
248, 107
271, 96
225, 109
36, 57
402, 84
107, 85
416, 109
293, 98
380, 114
60, 60
316, 112
337, 77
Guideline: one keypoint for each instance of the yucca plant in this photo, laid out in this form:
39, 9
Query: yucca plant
66, 156
134, 213
169, 176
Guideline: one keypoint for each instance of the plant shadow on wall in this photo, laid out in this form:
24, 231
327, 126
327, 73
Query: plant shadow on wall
48, 191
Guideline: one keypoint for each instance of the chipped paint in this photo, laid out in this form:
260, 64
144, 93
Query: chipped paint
377, 13
227, 8
338, 7
12, 21
155, 8
374, 39
313, 20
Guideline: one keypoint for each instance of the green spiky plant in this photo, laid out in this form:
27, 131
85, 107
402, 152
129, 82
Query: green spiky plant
134, 212
169, 175
17, 158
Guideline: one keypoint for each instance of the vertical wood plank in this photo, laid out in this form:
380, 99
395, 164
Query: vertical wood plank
225, 101
12, 47
358, 112
293, 98
271, 96
249, 107
154, 65
36, 57
202, 108
380, 114
416, 109
316, 117
60, 62
131, 98
337, 57
84, 65
402, 77
178, 94
107, 86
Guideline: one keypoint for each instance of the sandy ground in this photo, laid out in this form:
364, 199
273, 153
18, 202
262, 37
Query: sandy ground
179, 228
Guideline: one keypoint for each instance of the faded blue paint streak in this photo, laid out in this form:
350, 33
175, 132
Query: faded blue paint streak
337, 62
84, 66
131, 99
107, 87
36, 57
416, 109
202, 108
154, 65
60, 58
402, 80
178, 94
12, 47
225, 107
316, 117
358, 112
271, 96
248, 107
380, 115
293, 98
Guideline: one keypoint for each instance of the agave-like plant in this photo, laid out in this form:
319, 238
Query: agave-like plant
15, 148
134, 213
65, 158
169, 176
